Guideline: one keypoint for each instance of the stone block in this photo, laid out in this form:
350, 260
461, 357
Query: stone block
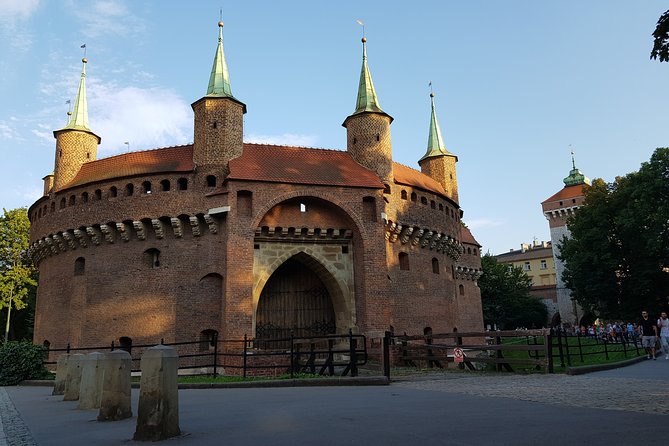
90, 389
73, 377
158, 412
115, 398
61, 373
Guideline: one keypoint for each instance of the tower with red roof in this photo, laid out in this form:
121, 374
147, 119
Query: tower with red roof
557, 209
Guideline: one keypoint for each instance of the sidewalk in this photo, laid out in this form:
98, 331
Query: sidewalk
454, 409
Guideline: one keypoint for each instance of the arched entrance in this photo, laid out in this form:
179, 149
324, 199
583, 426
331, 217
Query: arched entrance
294, 300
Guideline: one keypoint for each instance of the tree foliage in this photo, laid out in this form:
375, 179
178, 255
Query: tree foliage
617, 257
506, 299
20, 361
17, 274
661, 39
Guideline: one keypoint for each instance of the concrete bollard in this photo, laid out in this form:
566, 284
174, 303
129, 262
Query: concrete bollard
158, 412
73, 377
61, 373
90, 389
115, 399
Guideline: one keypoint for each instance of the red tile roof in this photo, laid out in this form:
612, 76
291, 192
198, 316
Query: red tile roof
258, 162
467, 237
411, 177
568, 192
169, 159
300, 165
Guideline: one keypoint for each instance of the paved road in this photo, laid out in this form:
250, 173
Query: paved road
606, 407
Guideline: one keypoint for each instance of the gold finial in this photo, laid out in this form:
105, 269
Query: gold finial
84, 60
431, 94
220, 24
363, 40
69, 113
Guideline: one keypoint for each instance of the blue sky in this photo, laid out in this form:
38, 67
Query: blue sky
517, 83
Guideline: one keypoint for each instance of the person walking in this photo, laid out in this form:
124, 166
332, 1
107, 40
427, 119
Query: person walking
648, 332
663, 325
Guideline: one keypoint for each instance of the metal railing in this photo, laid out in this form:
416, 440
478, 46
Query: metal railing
322, 355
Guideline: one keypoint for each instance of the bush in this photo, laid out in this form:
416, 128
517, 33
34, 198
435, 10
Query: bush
21, 360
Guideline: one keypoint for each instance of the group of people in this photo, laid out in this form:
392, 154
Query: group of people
650, 330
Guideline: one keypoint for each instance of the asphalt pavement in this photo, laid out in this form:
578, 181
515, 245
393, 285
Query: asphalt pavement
620, 405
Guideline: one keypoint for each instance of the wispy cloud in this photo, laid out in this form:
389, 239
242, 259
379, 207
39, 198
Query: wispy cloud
145, 117
287, 139
107, 17
17, 9
7, 131
479, 223
12, 29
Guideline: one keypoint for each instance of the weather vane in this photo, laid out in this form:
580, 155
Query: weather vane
361, 23
84, 48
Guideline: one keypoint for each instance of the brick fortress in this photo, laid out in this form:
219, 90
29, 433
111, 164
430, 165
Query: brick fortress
231, 238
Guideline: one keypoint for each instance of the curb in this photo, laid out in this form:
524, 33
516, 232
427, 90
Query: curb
599, 367
316, 382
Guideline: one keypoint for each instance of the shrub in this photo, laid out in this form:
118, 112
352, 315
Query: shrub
21, 360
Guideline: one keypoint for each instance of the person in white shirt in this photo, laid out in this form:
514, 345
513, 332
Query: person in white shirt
663, 325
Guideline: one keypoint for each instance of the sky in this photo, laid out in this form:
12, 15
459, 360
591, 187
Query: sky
518, 85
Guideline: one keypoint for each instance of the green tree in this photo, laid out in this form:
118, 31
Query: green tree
617, 258
661, 39
17, 274
506, 299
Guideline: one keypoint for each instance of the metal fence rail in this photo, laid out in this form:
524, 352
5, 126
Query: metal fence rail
323, 355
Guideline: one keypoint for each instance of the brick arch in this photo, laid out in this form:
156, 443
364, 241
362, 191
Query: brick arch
332, 199
345, 314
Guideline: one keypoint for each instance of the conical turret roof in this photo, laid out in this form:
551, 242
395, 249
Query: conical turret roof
435, 142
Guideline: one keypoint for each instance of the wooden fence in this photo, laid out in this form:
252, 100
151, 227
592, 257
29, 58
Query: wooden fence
437, 350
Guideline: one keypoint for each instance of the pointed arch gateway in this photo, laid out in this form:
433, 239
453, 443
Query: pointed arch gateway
300, 297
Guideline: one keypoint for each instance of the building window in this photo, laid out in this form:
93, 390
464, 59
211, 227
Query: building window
527, 267
404, 261
403, 195
84, 197
423, 200
129, 190
165, 185
208, 339
182, 184
469, 251
125, 343
211, 181
146, 187
98, 194
461, 289
441, 207
72, 201
544, 265
62, 203
435, 265
386, 188
152, 258
245, 203
369, 208
414, 197
113, 192
53, 206
433, 204
80, 266
303, 207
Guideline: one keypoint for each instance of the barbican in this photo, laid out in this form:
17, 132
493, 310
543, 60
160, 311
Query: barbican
227, 238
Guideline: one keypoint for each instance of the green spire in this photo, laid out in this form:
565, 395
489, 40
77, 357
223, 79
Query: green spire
79, 117
219, 81
575, 177
435, 142
367, 100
